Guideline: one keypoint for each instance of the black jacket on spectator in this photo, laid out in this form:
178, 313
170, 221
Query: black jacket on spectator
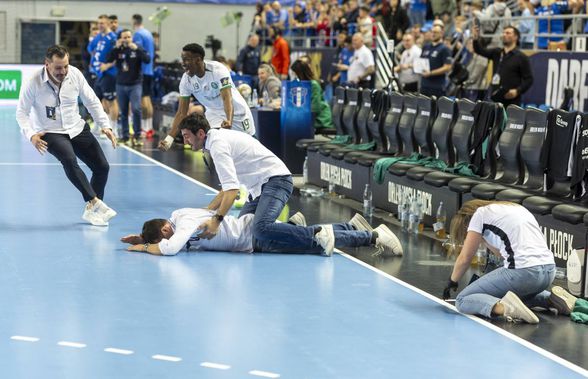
128, 63
248, 60
514, 69
396, 20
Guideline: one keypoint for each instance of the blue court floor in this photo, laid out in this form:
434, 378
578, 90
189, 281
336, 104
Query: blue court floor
75, 304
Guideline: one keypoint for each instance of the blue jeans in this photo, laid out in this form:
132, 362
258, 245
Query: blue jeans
345, 236
530, 284
417, 16
268, 206
125, 94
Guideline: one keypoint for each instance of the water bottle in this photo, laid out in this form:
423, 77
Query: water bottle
332, 187
266, 99
305, 171
440, 220
254, 99
413, 217
420, 217
405, 213
367, 201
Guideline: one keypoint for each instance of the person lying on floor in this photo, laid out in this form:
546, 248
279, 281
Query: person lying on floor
511, 231
168, 237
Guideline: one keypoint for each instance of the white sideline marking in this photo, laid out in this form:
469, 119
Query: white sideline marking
71, 344
168, 358
264, 374
118, 351
498, 330
218, 366
25, 338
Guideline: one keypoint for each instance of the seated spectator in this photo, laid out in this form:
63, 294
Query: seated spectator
396, 22
417, 11
526, 27
498, 9
555, 26
477, 66
270, 86
319, 106
448, 24
366, 26
408, 79
352, 11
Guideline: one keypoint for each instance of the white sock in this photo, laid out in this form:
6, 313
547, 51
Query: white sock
148, 124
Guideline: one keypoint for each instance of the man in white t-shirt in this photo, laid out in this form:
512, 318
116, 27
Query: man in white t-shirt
361, 65
405, 70
211, 84
169, 236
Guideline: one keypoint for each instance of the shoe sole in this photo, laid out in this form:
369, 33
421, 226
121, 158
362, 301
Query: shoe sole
298, 219
562, 300
532, 317
95, 223
361, 223
109, 215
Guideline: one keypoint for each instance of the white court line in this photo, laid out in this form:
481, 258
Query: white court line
168, 358
25, 338
264, 374
81, 164
495, 328
218, 366
71, 344
118, 351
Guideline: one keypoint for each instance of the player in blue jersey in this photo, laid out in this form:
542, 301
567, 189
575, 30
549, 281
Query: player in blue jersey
105, 87
143, 38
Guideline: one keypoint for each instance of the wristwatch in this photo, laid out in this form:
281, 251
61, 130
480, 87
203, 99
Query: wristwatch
218, 217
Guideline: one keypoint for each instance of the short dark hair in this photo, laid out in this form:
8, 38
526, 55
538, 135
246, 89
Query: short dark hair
113, 17
123, 31
60, 51
137, 18
151, 232
194, 123
103, 16
365, 8
515, 30
302, 70
194, 48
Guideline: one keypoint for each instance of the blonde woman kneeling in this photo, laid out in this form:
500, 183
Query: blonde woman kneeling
511, 231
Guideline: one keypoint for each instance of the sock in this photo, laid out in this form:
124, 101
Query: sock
374, 238
148, 124
144, 124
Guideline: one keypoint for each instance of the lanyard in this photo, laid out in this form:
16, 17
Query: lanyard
58, 101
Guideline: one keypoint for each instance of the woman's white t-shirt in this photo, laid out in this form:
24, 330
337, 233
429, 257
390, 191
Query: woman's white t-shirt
514, 231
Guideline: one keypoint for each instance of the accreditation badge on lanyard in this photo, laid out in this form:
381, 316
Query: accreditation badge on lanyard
51, 112
496, 77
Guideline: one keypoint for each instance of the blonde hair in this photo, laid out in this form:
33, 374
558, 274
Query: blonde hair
460, 222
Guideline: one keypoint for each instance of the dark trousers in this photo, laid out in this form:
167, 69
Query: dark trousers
86, 147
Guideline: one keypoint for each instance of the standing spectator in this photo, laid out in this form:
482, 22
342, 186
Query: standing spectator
352, 12
299, 21
249, 57
258, 25
497, 9
448, 24
88, 70
408, 79
105, 86
319, 106
417, 35
477, 67
366, 26
417, 12
270, 86
396, 22
281, 53
128, 58
511, 70
344, 54
440, 6
144, 39
433, 81
526, 27
278, 17
361, 66
338, 20
323, 27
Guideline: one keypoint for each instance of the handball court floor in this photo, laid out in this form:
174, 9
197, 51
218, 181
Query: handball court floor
75, 304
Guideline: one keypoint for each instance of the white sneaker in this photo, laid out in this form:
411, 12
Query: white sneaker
387, 241
104, 210
360, 223
562, 300
93, 218
326, 238
298, 219
515, 310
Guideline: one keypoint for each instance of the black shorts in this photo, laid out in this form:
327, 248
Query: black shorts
147, 86
105, 87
